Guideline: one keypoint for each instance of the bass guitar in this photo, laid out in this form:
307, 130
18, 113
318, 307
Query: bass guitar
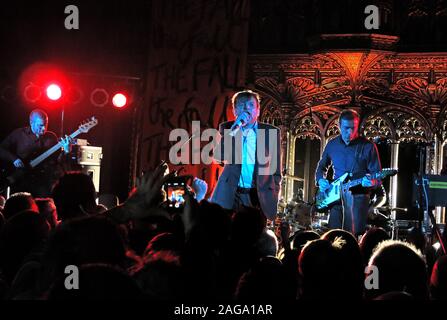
20, 173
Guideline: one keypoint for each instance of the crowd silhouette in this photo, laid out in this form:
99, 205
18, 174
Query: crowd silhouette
140, 250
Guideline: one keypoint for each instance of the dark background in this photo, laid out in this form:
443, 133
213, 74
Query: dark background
108, 51
111, 50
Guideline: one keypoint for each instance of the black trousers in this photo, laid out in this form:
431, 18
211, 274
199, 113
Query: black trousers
352, 215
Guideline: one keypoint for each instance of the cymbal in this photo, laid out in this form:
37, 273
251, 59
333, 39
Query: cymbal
392, 208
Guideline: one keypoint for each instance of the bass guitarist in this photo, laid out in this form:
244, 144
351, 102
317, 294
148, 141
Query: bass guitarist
25, 143
348, 152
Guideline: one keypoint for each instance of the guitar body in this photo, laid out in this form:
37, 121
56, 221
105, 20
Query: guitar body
37, 181
16, 174
13, 175
330, 196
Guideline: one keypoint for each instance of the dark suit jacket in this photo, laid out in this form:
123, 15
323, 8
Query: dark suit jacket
267, 172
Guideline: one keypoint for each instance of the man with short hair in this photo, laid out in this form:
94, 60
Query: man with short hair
348, 152
18, 202
25, 144
251, 153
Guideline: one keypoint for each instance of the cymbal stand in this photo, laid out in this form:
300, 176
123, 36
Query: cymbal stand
394, 228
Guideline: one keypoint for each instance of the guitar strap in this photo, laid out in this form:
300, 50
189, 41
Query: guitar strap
354, 162
356, 158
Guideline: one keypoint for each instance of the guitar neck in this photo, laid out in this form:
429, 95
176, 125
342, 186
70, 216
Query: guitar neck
354, 183
35, 162
357, 182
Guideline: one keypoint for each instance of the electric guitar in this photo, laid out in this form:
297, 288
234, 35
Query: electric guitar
333, 193
19, 173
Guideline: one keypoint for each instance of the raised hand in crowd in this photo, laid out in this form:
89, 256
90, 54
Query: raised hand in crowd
189, 219
144, 199
285, 231
200, 187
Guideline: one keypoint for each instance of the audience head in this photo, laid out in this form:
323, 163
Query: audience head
74, 195
247, 226
47, 209
97, 282
438, 280
2, 202
344, 241
165, 241
266, 281
88, 240
21, 236
395, 296
267, 244
370, 240
300, 238
401, 268
161, 277
350, 260
100, 208
417, 238
319, 270
17, 202
215, 223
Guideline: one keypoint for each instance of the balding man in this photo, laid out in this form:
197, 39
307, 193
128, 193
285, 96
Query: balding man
24, 145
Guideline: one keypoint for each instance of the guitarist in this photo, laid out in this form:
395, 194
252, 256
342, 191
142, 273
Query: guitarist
351, 153
24, 144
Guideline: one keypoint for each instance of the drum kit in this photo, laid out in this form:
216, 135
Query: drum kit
301, 215
385, 217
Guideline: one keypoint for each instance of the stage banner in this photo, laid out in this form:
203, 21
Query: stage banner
197, 60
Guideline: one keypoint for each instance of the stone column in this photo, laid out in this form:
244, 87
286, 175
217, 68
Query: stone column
286, 146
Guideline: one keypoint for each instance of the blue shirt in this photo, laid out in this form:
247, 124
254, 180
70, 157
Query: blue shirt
248, 156
359, 157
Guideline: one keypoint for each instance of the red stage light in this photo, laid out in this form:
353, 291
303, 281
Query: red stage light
32, 93
54, 92
44, 84
119, 100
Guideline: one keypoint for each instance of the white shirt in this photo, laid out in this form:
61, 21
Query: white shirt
248, 156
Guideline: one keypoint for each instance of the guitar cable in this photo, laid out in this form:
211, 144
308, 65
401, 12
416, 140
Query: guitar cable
342, 208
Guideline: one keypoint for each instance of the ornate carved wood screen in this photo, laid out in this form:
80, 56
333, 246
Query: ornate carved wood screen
401, 97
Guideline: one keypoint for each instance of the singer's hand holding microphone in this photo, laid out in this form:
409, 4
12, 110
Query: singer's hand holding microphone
240, 121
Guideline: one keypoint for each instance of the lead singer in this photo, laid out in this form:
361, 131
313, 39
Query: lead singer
252, 161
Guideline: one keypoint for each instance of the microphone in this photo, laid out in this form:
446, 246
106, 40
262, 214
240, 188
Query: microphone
240, 121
